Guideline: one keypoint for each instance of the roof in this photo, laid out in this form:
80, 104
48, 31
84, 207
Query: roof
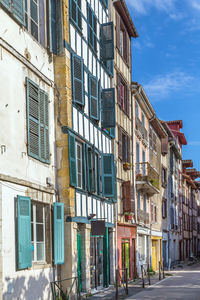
179, 122
187, 163
123, 11
158, 127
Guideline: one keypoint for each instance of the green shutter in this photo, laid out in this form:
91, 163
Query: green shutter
78, 79
58, 233
6, 4
44, 126
108, 108
94, 102
24, 254
33, 119
107, 42
72, 159
18, 10
115, 183
106, 259
90, 169
108, 175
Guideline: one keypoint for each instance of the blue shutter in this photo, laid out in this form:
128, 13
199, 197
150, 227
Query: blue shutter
24, 255
115, 183
108, 108
107, 42
78, 79
6, 4
108, 175
18, 10
94, 102
58, 233
72, 159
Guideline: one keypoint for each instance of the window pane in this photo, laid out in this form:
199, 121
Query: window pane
34, 30
32, 248
31, 212
32, 236
40, 251
39, 213
34, 11
39, 233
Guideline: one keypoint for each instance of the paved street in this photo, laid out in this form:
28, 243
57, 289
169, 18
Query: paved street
185, 284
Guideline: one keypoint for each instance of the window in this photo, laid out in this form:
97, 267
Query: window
92, 29
79, 164
124, 145
145, 203
136, 110
138, 201
38, 232
152, 140
75, 13
37, 122
143, 119
164, 208
123, 95
126, 195
77, 80
155, 214
121, 42
108, 108
94, 101
141, 247
164, 176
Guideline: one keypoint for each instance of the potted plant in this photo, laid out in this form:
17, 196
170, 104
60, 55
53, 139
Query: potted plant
128, 216
126, 166
138, 176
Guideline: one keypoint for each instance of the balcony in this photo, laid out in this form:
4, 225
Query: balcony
143, 216
147, 179
142, 132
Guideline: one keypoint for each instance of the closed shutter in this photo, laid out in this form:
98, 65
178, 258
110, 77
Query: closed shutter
127, 101
91, 169
18, 10
128, 50
128, 149
108, 109
78, 79
117, 30
126, 194
72, 159
24, 254
120, 142
119, 89
44, 126
107, 43
164, 145
6, 4
108, 175
58, 233
94, 103
115, 183
125, 51
33, 119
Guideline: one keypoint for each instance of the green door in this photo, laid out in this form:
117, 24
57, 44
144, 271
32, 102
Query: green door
106, 259
79, 259
126, 256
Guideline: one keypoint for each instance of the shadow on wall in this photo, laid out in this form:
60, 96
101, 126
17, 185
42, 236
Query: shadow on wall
27, 288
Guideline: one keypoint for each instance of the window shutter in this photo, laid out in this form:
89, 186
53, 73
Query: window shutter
24, 254
52, 25
120, 142
44, 129
164, 145
94, 103
119, 89
112, 132
117, 30
126, 194
108, 175
33, 119
72, 159
107, 43
125, 46
6, 4
18, 10
128, 149
115, 183
91, 169
58, 233
172, 215
128, 49
98, 176
108, 109
127, 100
78, 79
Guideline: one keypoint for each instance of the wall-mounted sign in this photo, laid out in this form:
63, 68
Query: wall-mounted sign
98, 227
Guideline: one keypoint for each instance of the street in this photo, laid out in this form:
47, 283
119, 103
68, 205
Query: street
185, 284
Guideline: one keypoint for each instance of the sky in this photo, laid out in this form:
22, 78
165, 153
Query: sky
166, 61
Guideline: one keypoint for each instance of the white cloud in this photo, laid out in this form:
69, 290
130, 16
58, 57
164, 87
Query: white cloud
164, 85
143, 6
194, 143
195, 4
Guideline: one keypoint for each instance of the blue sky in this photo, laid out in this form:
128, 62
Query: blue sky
166, 61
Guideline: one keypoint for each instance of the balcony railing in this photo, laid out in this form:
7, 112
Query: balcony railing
143, 216
142, 130
145, 172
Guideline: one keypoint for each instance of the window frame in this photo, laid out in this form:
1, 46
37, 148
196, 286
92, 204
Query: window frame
78, 13
77, 143
93, 46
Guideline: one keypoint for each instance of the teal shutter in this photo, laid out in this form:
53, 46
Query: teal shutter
24, 254
106, 259
112, 132
108, 109
107, 42
78, 79
33, 119
91, 169
94, 102
72, 159
6, 4
108, 175
58, 233
115, 183
18, 10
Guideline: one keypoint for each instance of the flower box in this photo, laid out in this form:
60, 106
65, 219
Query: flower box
128, 217
126, 166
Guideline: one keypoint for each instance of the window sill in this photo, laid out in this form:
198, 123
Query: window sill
40, 265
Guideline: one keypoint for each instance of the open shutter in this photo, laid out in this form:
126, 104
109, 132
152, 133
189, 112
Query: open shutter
58, 233
164, 145
108, 175
117, 30
126, 194
94, 103
108, 109
119, 89
120, 142
127, 100
128, 149
72, 159
78, 79
24, 257
18, 10
107, 43
33, 119
115, 183
44, 128
91, 169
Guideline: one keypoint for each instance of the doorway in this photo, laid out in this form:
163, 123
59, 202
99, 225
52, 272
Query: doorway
79, 260
126, 256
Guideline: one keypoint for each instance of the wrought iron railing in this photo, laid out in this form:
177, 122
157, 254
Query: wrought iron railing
70, 291
143, 216
145, 172
142, 130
